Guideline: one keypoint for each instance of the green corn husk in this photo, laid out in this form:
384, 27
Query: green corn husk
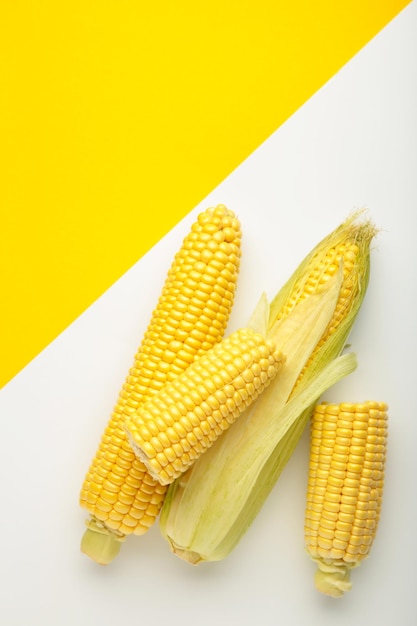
208, 509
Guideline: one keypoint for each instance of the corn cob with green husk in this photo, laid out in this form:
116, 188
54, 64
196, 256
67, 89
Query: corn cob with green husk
190, 317
209, 508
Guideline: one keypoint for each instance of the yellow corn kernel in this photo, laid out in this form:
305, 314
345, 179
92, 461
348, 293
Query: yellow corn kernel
205, 400
351, 488
190, 318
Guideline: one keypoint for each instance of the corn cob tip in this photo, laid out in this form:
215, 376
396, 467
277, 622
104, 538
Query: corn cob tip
99, 546
332, 580
99, 543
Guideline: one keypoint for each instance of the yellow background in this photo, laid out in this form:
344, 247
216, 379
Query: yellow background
116, 119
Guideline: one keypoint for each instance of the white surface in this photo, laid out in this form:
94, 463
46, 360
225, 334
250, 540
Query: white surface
353, 144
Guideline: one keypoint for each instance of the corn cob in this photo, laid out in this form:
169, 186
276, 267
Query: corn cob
207, 512
322, 265
345, 486
190, 318
170, 431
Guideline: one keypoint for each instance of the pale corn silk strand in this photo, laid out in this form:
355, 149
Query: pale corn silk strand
345, 489
190, 318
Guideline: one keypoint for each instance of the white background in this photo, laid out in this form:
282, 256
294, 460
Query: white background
353, 144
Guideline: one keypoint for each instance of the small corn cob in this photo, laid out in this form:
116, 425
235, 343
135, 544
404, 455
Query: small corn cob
170, 431
206, 513
345, 486
189, 319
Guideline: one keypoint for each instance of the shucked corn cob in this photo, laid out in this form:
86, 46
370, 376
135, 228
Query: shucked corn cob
346, 479
189, 319
208, 510
184, 419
